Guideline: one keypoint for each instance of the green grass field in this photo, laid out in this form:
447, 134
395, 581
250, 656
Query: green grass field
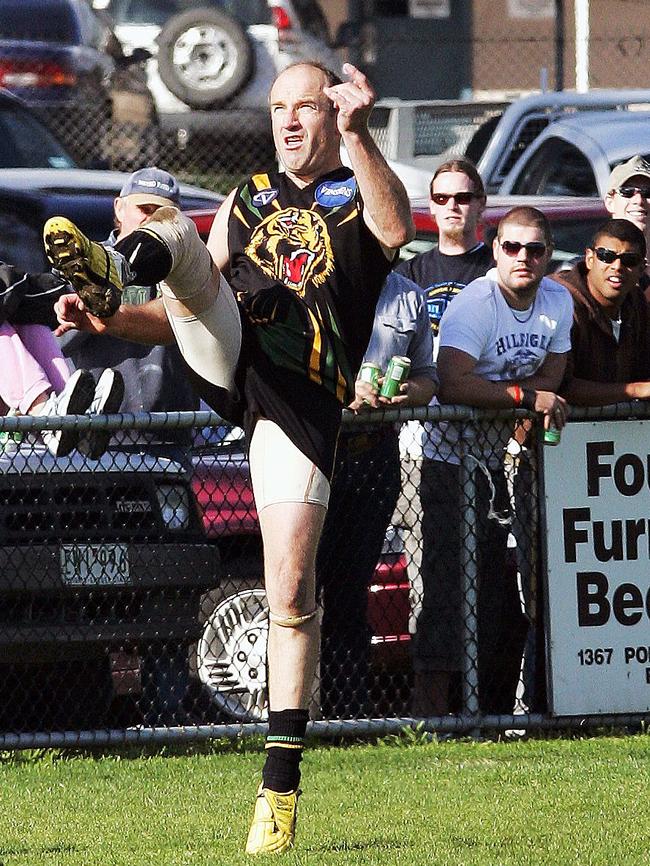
560, 802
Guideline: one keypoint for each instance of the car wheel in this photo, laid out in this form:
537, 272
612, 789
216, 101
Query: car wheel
231, 653
204, 57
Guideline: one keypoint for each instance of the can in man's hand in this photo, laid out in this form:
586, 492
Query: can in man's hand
370, 373
552, 436
396, 374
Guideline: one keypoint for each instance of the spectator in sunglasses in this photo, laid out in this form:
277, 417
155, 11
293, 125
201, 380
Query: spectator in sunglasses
456, 201
628, 198
504, 342
610, 337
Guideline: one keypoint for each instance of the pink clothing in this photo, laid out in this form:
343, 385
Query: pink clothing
31, 364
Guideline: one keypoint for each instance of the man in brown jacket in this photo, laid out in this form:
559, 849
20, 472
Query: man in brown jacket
609, 360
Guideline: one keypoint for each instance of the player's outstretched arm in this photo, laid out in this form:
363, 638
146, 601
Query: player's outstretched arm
145, 323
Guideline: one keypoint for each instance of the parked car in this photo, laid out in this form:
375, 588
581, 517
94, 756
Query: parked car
103, 566
231, 652
526, 119
573, 222
64, 61
219, 54
25, 141
417, 136
28, 198
575, 156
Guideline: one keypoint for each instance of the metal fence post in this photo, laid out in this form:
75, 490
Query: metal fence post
469, 573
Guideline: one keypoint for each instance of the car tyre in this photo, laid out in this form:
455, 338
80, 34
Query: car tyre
204, 57
231, 652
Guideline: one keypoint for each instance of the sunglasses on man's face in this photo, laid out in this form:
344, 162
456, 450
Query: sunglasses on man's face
534, 249
628, 260
631, 191
458, 197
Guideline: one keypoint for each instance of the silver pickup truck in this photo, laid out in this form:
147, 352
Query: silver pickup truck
416, 136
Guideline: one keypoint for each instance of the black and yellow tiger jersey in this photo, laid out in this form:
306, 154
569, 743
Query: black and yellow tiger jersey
307, 273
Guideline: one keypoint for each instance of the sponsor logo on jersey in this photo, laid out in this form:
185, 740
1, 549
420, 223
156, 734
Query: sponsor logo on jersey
265, 196
334, 193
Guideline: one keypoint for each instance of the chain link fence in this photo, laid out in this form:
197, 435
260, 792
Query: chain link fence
119, 127
133, 604
126, 136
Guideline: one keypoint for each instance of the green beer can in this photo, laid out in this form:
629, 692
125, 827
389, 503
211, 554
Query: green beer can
370, 373
552, 436
396, 374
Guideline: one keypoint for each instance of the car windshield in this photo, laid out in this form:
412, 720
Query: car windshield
26, 143
24, 19
557, 168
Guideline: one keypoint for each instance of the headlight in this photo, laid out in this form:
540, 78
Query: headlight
174, 506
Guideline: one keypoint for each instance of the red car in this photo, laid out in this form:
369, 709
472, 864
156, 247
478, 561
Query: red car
231, 655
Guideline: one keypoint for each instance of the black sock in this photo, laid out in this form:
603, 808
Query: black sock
148, 257
284, 747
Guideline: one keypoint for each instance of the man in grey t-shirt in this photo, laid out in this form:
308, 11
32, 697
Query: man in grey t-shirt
504, 343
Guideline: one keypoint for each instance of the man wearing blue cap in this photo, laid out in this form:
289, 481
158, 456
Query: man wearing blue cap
143, 193
155, 376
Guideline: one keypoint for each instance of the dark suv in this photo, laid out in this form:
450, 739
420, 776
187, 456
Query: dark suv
102, 569
25, 142
62, 58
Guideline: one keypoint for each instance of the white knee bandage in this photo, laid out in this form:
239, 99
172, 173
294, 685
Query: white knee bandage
211, 340
291, 621
191, 261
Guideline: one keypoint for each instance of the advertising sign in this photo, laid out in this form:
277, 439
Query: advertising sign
597, 500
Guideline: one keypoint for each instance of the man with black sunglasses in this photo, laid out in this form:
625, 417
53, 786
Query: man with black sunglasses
610, 338
487, 358
456, 201
504, 343
628, 198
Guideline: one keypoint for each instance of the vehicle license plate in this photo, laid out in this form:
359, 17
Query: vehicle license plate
94, 564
